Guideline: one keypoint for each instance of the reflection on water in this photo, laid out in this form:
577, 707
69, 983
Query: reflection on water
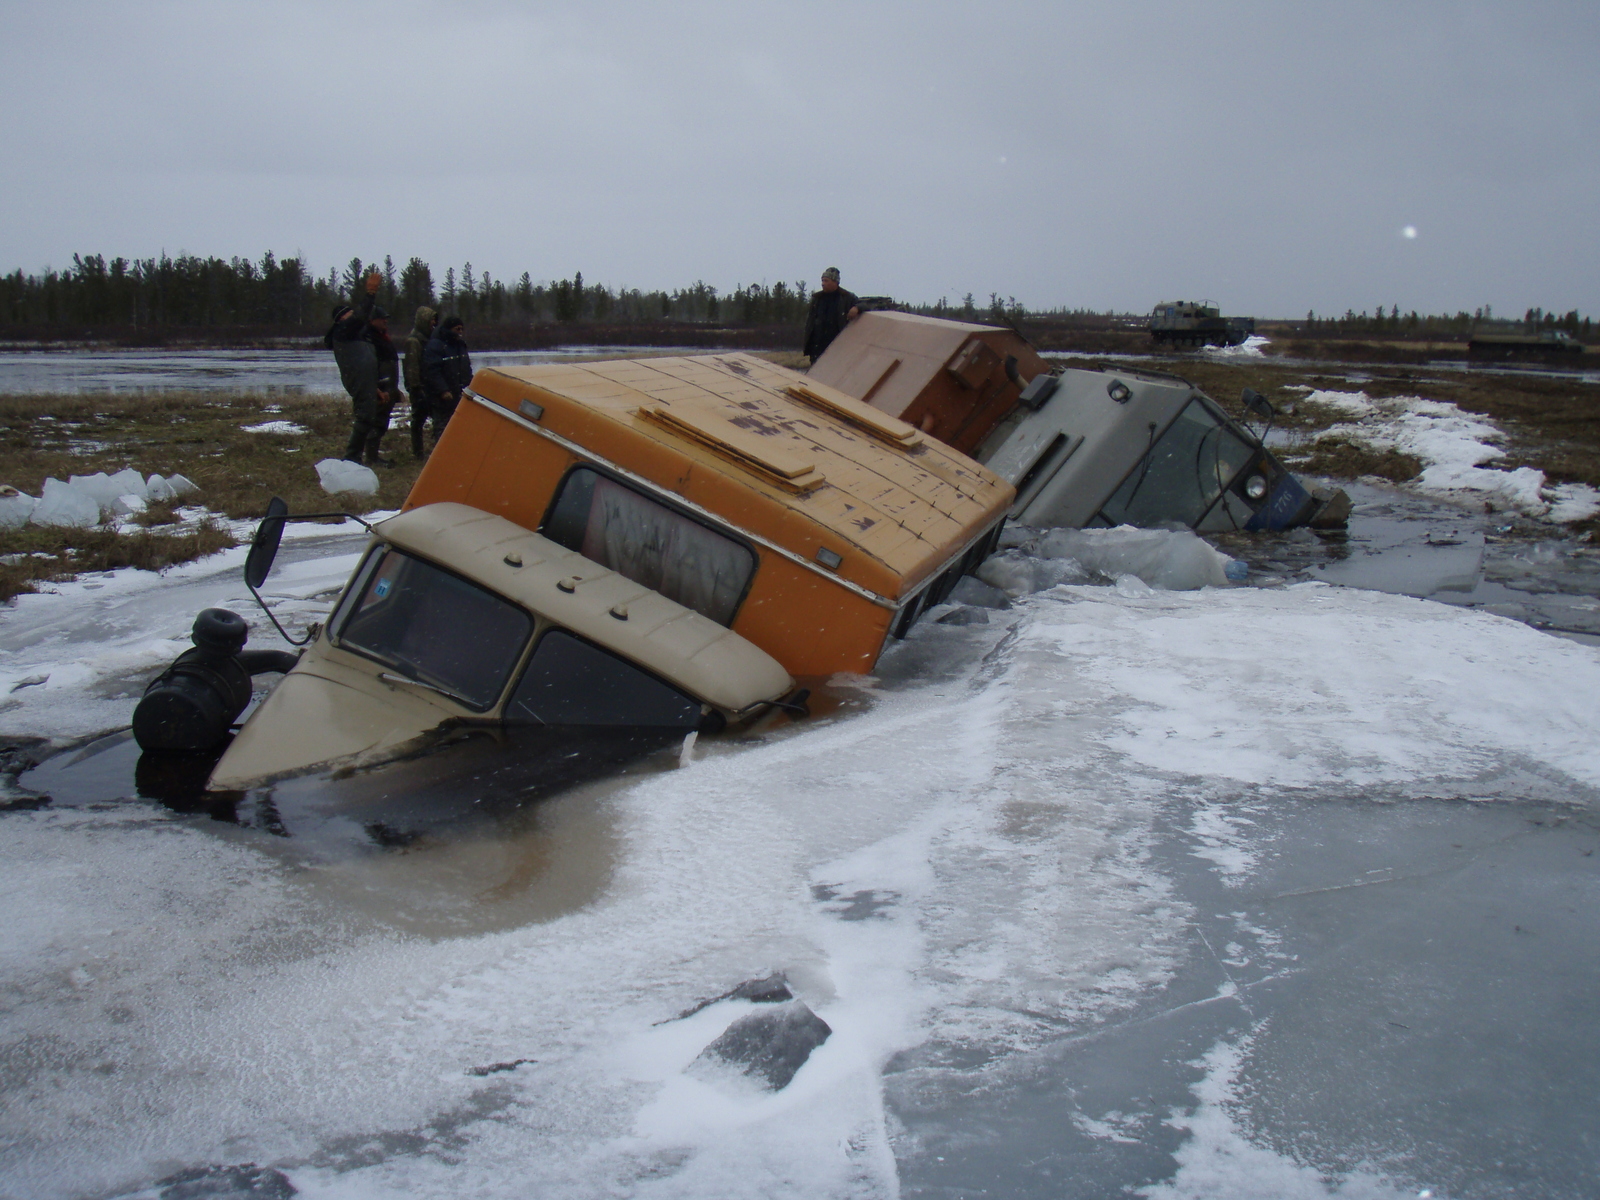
490, 829
25, 372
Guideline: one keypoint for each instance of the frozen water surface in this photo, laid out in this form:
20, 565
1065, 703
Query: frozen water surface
1283, 891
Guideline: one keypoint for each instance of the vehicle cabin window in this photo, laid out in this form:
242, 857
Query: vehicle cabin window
651, 544
572, 682
436, 628
1182, 475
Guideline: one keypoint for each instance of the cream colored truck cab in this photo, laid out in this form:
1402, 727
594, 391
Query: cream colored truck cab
458, 616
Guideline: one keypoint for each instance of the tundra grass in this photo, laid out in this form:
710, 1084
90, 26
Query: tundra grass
201, 435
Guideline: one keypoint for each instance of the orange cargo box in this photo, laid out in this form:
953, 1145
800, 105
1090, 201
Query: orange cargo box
951, 379
810, 523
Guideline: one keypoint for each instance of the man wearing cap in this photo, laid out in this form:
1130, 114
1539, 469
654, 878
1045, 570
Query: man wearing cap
358, 365
446, 370
831, 310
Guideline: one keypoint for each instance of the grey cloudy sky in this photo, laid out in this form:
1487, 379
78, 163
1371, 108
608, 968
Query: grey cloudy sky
1268, 155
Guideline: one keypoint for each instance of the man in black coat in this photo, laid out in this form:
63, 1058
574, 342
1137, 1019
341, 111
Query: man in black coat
388, 385
446, 370
831, 310
358, 365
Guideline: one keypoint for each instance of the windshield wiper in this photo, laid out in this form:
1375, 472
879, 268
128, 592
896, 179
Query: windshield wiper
387, 677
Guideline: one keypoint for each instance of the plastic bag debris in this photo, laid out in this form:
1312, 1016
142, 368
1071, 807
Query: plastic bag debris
340, 475
65, 505
1174, 560
15, 507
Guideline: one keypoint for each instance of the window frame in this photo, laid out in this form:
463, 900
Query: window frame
550, 627
730, 532
344, 612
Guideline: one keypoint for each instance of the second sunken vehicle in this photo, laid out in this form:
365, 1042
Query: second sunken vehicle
1122, 445
656, 543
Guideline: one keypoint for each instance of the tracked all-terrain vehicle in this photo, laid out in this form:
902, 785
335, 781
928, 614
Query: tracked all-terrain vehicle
1190, 324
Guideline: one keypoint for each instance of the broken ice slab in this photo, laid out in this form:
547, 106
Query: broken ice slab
769, 1045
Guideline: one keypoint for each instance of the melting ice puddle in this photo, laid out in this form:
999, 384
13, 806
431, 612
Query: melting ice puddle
1405, 544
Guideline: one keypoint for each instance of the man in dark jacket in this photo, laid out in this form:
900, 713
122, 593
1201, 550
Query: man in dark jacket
446, 369
358, 365
388, 385
831, 310
421, 331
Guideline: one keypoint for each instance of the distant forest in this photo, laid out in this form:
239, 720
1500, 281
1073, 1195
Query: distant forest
281, 297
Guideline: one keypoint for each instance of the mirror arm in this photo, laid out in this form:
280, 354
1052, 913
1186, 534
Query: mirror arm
284, 520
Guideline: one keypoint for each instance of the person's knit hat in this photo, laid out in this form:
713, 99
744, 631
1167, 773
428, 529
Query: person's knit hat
450, 323
379, 313
831, 273
339, 310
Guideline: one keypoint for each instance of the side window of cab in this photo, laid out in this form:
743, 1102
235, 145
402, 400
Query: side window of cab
663, 549
570, 681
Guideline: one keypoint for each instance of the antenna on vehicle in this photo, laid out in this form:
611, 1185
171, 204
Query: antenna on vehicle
264, 549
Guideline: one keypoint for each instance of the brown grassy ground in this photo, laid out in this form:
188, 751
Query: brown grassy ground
196, 434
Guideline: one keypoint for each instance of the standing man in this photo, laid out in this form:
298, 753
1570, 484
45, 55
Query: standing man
358, 365
388, 385
421, 331
446, 369
831, 310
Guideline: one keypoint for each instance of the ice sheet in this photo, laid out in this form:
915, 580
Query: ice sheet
961, 868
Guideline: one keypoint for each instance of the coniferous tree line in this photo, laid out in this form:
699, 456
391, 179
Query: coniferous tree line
192, 292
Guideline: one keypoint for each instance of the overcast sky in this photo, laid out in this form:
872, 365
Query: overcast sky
1271, 156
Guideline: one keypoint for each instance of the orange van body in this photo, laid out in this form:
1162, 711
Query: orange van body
856, 521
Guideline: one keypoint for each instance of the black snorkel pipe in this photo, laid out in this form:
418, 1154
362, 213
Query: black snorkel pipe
264, 549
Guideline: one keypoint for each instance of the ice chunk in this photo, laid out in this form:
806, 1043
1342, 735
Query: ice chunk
1174, 559
63, 504
106, 488
969, 590
127, 505
340, 475
182, 485
1018, 574
157, 489
15, 507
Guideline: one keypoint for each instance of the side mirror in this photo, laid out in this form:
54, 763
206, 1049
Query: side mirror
1257, 404
264, 546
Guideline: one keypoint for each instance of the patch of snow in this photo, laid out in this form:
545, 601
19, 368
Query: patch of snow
1454, 446
276, 427
1251, 347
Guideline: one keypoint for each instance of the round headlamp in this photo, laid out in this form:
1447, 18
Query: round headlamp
1256, 488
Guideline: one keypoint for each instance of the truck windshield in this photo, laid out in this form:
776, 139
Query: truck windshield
1183, 474
433, 627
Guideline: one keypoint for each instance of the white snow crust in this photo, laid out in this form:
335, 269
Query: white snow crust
1454, 447
186, 992
1251, 347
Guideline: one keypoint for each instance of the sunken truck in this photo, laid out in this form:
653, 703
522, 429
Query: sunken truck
1120, 445
669, 543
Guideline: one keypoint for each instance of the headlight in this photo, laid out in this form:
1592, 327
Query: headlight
1256, 488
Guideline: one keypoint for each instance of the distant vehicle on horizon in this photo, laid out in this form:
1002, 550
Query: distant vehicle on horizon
1513, 339
1187, 323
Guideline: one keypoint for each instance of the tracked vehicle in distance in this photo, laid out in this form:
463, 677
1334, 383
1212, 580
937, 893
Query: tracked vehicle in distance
1189, 324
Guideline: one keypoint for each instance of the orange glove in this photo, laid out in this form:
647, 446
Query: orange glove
373, 281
